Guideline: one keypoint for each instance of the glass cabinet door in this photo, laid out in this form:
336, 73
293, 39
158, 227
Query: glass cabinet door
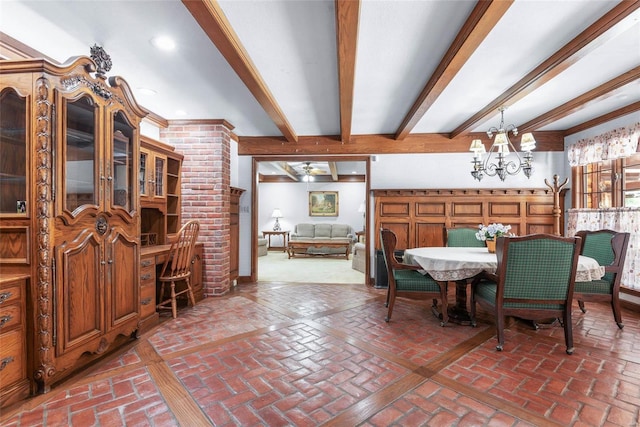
142, 173
13, 153
122, 164
80, 166
159, 175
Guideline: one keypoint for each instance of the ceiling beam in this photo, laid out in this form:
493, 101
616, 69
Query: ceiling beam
587, 41
347, 18
480, 22
209, 15
287, 170
620, 112
333, 170
308, 148
582, 101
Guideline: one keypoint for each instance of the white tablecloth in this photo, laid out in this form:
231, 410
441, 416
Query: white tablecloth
455, 263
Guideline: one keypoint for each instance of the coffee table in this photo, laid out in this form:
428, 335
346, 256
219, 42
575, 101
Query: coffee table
299, 247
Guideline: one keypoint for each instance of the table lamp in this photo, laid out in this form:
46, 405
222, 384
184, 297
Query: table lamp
276, 214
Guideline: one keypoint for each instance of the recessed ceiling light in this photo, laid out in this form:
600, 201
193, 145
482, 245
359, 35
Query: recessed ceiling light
147, 91
163, 43
354, 172
181, 113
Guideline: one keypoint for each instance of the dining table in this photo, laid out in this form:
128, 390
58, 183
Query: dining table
460, 264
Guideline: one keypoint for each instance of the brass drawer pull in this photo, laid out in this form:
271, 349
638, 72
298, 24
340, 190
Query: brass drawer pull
4, 319
5, 296
5, 362
146, 301
146, 263
145, 277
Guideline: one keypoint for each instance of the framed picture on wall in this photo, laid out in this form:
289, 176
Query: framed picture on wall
323, 203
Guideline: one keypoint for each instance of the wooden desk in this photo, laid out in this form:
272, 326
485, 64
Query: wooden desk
152, 258
285, 239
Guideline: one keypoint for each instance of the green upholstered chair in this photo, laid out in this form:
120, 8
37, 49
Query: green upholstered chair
462, 237
534, 280
609, 248
406, 281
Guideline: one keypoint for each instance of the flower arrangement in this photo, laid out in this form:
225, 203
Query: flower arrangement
492, 231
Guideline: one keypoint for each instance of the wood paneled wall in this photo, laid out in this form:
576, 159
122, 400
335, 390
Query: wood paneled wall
418, 217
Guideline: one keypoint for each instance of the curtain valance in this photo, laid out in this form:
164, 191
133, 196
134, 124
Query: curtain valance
621, 142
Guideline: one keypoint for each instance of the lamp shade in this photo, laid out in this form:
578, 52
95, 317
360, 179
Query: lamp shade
501, 139
276, 213
477, 146
528, 142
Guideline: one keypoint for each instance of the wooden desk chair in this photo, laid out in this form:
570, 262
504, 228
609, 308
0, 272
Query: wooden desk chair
462, 237
534, 280
177, 268
609, 248
406, 281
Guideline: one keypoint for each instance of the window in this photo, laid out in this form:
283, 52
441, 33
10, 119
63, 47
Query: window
610, 183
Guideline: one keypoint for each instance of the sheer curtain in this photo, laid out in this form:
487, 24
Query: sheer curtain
618, 219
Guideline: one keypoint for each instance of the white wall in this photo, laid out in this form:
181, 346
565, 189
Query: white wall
453, 170
293, 201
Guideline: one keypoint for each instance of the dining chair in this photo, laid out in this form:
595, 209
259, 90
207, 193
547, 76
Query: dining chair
406, 281
177, 268
534, 280
609, 248
462, 237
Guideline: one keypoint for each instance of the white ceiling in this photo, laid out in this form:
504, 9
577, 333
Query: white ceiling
292, 45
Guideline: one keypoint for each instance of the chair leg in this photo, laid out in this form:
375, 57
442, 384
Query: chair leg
190, 292
386, 304
500, 330
568, 331
617, 314
174, 305
581, 305
392, 300
472, 311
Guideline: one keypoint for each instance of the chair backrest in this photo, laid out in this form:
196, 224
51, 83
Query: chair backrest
178, 263
608, 247
388, 239
462, 237
538, 268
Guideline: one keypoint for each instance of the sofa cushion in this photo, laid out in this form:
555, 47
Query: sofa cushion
323, 230
340, 230
305, 230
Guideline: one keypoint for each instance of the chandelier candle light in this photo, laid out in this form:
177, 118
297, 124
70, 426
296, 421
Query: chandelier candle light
497, 162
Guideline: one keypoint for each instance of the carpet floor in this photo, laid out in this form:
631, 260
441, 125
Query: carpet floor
277, 267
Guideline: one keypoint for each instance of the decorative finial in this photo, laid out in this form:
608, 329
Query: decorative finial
102, 60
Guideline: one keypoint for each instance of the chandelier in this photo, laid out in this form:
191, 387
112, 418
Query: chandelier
498, 160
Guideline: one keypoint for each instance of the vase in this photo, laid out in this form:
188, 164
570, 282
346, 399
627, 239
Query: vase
491, 246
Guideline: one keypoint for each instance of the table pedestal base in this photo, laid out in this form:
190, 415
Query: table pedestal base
459, 313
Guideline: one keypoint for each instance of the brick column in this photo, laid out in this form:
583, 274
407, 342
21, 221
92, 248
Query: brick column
206, 178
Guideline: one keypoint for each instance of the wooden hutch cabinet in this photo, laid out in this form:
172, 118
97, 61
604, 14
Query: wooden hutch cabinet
70, 214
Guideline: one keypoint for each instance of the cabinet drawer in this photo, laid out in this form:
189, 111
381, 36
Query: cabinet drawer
11, 293
147, 271
147, 300
12, 360
10, 316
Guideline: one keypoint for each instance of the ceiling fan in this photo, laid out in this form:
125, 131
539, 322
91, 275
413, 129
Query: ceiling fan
310, 170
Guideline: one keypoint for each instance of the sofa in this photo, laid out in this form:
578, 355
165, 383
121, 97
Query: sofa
262, 245
359, 257
323, 231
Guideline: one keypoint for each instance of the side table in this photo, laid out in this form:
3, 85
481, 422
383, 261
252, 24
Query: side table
285, 239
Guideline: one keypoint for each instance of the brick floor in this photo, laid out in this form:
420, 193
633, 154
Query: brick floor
306, 355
